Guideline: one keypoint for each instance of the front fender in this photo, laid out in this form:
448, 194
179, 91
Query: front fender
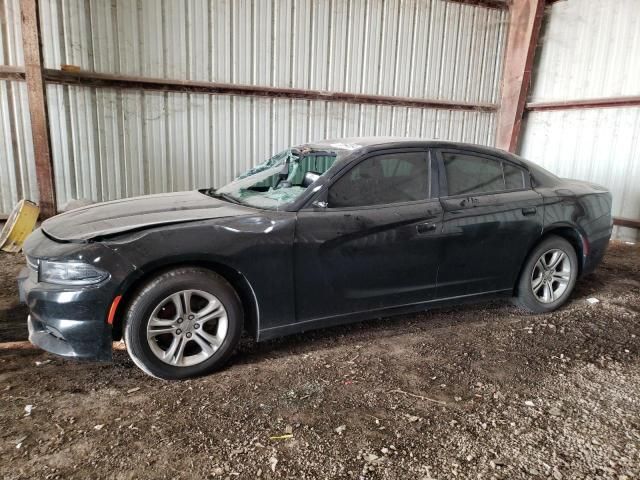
258, 248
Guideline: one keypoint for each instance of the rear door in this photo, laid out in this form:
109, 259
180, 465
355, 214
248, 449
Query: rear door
492, 216
375, 242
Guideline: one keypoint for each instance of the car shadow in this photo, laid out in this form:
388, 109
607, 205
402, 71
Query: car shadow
13, 324
486, 333
249, 351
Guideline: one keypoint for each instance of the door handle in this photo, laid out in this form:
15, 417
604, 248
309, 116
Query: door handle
529, 211
426, 228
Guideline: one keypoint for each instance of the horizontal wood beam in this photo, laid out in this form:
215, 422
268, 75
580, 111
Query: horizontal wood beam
607, 102
91, 79
497, 4
626, 222
8, 72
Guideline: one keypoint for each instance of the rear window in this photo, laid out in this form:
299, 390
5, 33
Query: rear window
471, 174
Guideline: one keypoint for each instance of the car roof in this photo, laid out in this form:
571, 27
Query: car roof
355, 144
368, 144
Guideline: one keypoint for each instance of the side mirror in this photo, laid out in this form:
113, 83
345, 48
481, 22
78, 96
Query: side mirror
319, 204
309, 178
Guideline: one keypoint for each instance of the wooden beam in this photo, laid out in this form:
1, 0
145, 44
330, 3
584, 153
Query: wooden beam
626, 222
38, 106
630, 101
8, 72
497, 4
92, 79
524, 29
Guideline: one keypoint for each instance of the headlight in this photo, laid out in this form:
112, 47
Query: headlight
70, 273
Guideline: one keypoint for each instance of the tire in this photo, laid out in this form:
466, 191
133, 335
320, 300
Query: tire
543, 287
183, 323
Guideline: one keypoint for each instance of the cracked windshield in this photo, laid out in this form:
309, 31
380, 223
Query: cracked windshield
281, 179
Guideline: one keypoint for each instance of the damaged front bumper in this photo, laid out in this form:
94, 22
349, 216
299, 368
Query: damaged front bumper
71, 323
71, 320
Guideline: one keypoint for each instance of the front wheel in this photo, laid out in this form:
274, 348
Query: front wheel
548, 276
183, 323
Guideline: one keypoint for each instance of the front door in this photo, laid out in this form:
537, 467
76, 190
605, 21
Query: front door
376, 244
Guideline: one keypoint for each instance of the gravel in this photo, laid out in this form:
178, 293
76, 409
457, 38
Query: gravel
482, 391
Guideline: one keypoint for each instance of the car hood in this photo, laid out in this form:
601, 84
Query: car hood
111, 218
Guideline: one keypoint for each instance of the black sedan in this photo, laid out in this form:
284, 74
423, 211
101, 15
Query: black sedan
318, 235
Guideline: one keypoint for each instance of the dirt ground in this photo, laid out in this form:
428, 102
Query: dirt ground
470, 392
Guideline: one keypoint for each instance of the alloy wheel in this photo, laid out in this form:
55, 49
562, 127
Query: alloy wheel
187, 328
551, 275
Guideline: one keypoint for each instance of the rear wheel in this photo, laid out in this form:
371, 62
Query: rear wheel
548, 276
183, 323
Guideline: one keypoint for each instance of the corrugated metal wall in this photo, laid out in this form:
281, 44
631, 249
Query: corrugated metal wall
589, 49
598, 145
416, 48
108, 143
17, 166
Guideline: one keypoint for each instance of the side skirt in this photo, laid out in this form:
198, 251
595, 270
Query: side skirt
324, 322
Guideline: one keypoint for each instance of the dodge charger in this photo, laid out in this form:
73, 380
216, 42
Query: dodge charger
318, 235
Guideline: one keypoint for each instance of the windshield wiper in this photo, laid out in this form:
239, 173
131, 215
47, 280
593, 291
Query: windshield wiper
223, 196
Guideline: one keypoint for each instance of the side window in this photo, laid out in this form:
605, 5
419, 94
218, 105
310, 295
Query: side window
513, 177
383, 179
469, 174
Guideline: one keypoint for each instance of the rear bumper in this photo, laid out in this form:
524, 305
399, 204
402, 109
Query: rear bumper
597, 250
68, 322
598, 236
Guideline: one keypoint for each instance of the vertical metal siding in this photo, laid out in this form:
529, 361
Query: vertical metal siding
597, 145
414, 48
589, 50
17, 165
108, 144
10, 33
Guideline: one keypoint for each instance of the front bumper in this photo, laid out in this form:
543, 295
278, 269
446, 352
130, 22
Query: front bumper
68, 321
71, 320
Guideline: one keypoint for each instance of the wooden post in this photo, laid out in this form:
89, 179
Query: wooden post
38, 106
524, 29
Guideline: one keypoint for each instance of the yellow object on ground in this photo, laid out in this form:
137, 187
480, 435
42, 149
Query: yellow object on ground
19, 226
